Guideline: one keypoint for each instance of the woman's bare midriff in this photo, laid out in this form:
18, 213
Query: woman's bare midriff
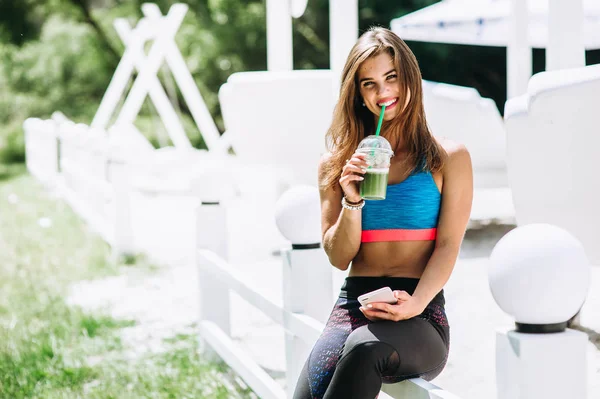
392, 259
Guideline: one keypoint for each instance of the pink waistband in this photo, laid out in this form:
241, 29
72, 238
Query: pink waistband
398, 235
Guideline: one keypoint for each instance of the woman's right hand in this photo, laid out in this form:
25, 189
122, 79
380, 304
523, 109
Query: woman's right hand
352, 175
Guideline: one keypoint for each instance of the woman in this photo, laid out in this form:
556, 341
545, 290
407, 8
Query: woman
410, 241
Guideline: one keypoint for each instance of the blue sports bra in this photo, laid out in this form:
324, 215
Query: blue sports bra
409, 213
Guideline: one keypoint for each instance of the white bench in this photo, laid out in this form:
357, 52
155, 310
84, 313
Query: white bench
277, 121
553, 151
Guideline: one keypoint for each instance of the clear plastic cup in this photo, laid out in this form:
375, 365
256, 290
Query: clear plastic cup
379, 153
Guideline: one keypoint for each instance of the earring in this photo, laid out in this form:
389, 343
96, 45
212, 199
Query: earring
364, 105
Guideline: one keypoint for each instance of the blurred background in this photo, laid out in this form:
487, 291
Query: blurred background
59, 55
79, 320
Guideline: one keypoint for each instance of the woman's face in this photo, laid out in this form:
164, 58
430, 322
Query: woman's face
379, 84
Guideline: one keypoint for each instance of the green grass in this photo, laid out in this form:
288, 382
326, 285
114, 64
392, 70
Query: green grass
49, 349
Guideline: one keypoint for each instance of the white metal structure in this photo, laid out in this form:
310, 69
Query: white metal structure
564, 27
552, 152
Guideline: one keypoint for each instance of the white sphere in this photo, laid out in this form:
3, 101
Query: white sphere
539, 274
298, 215
211, 182
297, 8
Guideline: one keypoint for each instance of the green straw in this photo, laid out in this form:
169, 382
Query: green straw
380, 120
378, 126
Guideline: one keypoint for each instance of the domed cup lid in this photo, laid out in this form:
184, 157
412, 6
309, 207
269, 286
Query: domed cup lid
377, 143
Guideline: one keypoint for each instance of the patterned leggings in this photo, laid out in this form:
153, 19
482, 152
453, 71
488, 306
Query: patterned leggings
354, 356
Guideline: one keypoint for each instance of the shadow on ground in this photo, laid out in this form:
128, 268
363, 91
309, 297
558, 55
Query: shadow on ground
593, 335
480, 242
11, 171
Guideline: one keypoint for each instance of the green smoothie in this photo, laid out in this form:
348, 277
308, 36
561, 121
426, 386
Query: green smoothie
374, 186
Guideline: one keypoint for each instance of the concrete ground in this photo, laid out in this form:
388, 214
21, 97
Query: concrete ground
167, 302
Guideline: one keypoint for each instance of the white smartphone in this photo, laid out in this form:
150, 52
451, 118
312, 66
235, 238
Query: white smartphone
384, 294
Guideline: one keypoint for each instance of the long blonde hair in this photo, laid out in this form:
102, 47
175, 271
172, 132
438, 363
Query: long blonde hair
352, 121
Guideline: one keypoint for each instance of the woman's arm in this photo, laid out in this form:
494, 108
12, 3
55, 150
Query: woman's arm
457, 196
341, 228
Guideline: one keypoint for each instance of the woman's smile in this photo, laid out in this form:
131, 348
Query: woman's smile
388, 102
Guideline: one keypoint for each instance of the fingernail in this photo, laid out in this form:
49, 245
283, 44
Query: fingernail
369, 306
361, 178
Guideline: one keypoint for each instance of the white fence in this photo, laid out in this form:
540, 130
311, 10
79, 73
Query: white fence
90, 170
307, 301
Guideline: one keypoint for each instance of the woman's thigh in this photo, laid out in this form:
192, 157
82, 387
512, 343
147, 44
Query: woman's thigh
420, 348
322, 361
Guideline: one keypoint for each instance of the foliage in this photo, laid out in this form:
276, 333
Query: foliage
52, 350
58, 54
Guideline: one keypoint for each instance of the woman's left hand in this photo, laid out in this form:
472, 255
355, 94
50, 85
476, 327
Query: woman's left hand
406, 308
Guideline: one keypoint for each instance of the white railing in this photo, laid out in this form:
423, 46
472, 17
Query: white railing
110, 180
96, 180
302, 316
42, 146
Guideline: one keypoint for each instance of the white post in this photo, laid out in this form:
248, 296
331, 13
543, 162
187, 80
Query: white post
536, 366
530, 269
566, 43
211, 234
343, 33
279, 36
307, 274
307, 282
123, 241
518, 51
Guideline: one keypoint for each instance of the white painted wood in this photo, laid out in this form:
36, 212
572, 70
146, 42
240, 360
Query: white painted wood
519, 64
279, 135
343, 33
120, 78
69, 186
41, 149
462, 115
211, 233
294, 292
260, 382
189, 90
548, 366
168, 27
416, 388
123, 241
308, 268
304, 268
155, 90
552, 152
566, 47
303, 326
279, 36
